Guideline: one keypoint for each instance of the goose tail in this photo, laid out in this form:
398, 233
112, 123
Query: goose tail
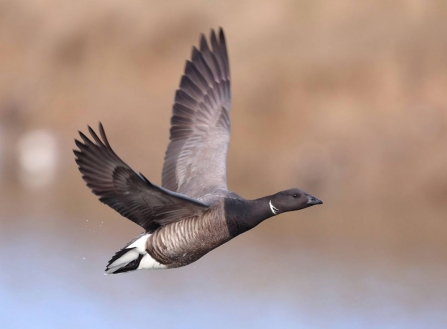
132, 257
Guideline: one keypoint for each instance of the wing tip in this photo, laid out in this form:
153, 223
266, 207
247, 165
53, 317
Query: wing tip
222, 39
203, 43
102, 132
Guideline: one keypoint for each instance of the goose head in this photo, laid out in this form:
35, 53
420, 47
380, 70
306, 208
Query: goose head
291, 200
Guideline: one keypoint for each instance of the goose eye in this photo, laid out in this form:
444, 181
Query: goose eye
295, 195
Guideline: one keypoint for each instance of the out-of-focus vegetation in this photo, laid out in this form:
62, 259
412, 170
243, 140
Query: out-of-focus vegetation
345, 99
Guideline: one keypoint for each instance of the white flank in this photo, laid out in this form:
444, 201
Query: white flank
274, 210
148, 263
140, 244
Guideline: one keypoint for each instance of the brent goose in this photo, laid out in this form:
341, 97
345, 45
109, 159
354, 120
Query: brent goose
193, 212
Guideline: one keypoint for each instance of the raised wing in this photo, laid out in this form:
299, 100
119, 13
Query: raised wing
129, 193
195, 161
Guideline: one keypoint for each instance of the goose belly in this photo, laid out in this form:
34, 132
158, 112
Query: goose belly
181, 243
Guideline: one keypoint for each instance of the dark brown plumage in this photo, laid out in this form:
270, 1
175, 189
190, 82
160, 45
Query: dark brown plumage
193, 212
129, 193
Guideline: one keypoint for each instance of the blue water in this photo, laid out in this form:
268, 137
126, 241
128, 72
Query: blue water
50, 282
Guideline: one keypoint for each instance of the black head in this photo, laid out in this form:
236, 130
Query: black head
290, 200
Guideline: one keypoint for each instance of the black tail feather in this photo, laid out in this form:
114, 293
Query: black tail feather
132, 266
118, 254
129, 257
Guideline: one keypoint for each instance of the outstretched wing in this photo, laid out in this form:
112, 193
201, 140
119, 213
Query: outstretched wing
129, 193
195, 161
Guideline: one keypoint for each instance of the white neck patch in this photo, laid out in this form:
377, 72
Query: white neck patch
274, 210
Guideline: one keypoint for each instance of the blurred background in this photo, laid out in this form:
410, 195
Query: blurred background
344, 99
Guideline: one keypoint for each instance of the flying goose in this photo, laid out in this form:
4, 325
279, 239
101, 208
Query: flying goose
193, 211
